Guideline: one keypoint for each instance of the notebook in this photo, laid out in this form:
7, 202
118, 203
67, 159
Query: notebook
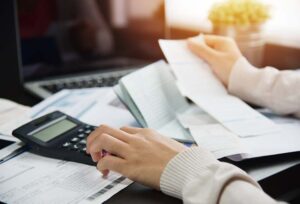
152, 96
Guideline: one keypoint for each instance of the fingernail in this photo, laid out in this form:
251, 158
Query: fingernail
94, 160
105, 173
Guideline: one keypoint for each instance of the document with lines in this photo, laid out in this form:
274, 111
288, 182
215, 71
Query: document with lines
210, 134
153, 98
94, 106
30, 178
199, 84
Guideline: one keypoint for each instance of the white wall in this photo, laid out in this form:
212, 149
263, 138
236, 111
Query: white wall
283, 27
189, 14
143, 8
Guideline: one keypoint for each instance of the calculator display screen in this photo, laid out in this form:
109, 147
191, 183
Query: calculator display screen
54, 130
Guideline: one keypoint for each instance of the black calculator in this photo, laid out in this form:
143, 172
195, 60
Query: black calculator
57, 135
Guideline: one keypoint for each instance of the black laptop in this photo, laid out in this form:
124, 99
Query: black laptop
73, 44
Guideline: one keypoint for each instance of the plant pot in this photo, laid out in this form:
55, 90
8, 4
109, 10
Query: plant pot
249, 38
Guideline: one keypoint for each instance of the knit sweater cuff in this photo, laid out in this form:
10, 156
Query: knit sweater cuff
196, 171
184, 167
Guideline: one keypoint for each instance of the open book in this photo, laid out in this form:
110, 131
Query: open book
154, 100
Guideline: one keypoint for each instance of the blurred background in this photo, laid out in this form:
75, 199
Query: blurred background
280, 32
65, 36
84, 30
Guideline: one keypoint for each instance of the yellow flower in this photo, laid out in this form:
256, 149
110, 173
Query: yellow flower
239, 12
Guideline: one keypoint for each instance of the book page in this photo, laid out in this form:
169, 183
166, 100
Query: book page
153, 90
195, 116
124, 96
174, 129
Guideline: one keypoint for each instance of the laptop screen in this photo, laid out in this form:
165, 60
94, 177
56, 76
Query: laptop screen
72, 36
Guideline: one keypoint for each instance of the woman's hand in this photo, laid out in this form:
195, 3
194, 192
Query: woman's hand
220, 52
139, 154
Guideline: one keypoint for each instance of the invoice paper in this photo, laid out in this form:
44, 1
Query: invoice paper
94, 106
198, 83
29, 178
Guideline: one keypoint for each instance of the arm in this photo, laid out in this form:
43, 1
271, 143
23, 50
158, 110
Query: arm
191, 174
268, 87
196, 176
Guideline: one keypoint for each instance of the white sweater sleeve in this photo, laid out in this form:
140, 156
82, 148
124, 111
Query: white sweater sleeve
196, 177
267, 87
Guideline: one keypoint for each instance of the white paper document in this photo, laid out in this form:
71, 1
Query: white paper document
217, 139
259, 173
12, 115
31, 179
223, 143
153, 97
285, 141
195, 116
94, 106
199, 84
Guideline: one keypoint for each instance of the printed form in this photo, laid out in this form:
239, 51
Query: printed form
94, 106
198, 83
29, 178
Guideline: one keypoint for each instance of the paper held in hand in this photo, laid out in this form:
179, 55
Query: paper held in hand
198, 83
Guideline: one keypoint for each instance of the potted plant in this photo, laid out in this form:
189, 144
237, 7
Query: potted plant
242, 20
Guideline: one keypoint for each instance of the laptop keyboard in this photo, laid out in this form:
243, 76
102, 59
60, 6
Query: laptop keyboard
82, 83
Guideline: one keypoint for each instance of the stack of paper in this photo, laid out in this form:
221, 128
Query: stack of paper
237, 129
12, 115
200, 85
94, 106
29, 178
222, 123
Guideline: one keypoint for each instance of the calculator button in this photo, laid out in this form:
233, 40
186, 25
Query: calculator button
84, 150
81, 135
80, 130
66, 144
74, 139
75, 147
87, 127
83, 142
87, 131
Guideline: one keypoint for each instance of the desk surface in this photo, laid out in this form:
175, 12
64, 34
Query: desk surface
284, 185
